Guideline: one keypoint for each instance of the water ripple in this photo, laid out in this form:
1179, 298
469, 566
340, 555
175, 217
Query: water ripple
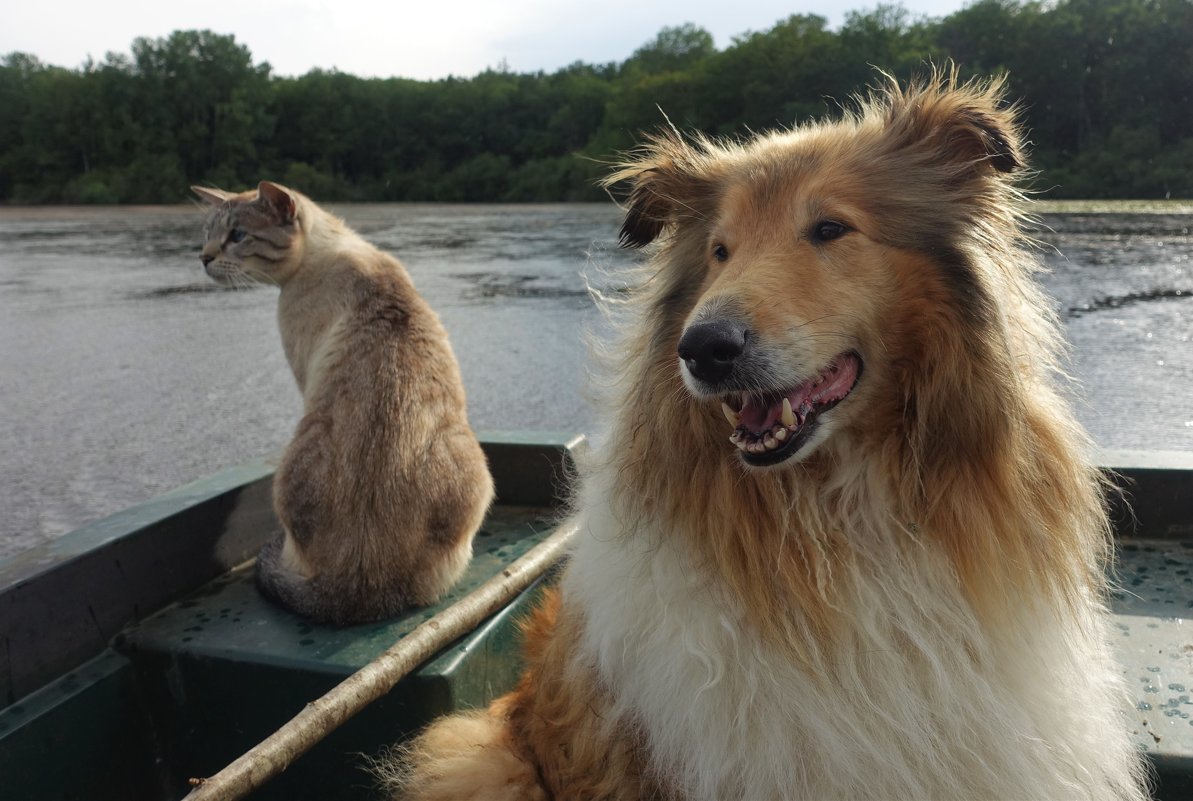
1118, 301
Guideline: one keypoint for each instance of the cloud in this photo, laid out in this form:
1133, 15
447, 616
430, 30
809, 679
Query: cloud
410, 39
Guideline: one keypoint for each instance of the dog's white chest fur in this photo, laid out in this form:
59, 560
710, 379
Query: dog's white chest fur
919, 704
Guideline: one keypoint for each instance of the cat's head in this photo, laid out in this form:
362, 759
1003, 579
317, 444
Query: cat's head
252, 236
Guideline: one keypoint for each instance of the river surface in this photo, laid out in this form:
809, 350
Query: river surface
125, 373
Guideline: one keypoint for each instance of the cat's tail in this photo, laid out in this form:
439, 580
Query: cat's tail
346, 599
305, 596
464, 757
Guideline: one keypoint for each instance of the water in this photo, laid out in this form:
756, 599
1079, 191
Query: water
1124, 286
124, 372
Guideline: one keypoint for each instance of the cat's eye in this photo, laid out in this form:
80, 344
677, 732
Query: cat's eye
828, 230
236, 235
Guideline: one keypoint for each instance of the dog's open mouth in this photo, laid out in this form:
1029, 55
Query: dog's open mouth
770, 428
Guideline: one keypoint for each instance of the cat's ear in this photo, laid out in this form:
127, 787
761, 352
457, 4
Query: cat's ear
213, 196
278, 197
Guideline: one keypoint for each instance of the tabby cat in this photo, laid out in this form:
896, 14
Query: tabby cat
384, 484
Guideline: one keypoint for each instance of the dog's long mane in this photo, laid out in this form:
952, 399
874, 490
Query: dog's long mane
978, 450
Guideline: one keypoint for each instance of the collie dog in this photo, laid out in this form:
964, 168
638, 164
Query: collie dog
844, 539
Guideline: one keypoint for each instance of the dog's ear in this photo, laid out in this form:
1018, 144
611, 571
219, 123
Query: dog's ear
968, 126
647, 209
668, 179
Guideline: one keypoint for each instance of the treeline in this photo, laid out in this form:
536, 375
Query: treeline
1106, 87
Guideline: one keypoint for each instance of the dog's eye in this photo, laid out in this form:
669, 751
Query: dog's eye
828, 230
720, 252
236, 235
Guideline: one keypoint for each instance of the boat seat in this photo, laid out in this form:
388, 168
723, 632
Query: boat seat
225, 667
1153, 639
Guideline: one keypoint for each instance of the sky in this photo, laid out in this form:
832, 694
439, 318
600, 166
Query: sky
423, 40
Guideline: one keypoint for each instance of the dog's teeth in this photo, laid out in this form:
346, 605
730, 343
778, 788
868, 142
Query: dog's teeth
770, 442
757, 447
781, 434
788, 416
733, 417
735, 436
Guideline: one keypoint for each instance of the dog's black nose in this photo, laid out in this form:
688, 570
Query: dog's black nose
709, 349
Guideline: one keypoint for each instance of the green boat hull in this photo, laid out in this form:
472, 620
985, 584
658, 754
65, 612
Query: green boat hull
139, 656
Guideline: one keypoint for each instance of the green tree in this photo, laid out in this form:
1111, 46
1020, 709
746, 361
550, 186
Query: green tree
674, 49
778, 77
203, 102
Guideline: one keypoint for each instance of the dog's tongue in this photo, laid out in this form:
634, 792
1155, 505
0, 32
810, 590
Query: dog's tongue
760, 413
